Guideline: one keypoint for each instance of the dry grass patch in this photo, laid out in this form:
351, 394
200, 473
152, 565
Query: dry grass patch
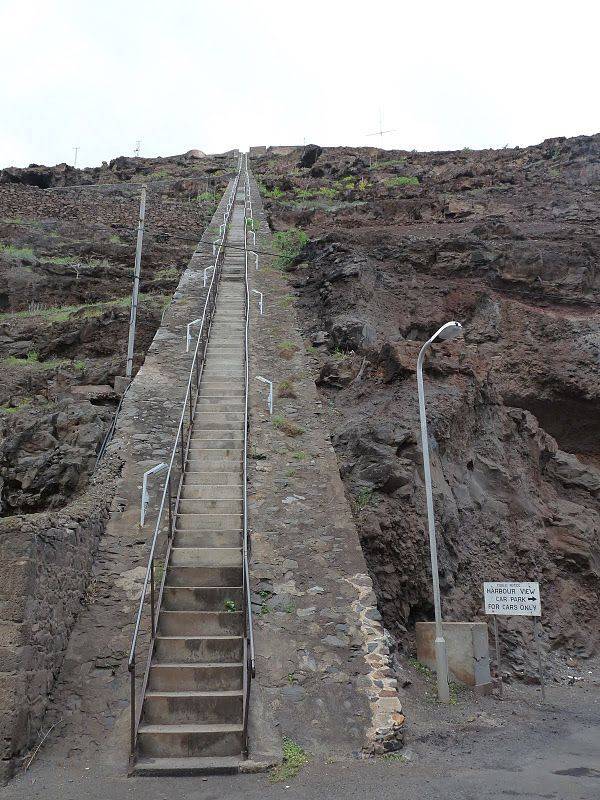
286, 388
287, 426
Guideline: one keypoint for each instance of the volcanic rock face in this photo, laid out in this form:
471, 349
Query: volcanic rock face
67, 246
507, 243
45, 458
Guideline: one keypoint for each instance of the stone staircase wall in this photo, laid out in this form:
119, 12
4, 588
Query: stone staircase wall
324, 675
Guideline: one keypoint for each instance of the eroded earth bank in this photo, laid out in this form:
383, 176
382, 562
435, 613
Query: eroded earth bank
382, 249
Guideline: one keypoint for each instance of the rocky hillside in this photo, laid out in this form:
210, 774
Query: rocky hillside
383, 248
67, 245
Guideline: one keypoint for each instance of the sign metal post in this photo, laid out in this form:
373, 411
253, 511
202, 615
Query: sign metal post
498, 664
520, 599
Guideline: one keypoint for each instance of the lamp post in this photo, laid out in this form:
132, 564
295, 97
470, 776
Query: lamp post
450, 330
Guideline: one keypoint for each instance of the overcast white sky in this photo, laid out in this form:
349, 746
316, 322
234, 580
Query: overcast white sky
218, 74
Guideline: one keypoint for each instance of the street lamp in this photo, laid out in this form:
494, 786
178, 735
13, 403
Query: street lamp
451, 330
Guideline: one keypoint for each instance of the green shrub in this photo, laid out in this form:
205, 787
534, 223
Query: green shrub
33, 360
402, 180
364, 498
17, 252
63, 261
294, 758
289, 245
159, 175
17, 407
275, 193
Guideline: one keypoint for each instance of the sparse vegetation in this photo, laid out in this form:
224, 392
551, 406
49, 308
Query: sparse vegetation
15, 407
294, 758
364, 498
287, 350
402, 180
421, 668
288, 244
166, 274
229, 605
32, 359
286, 388
63, 261
341, 355
159, 175
389, 162
63, 313
17, 252
275, 193
287, 426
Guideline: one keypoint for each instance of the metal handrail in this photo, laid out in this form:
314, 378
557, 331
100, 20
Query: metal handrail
179, 445
249, 660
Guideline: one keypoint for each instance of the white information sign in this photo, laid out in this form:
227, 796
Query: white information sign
513, 599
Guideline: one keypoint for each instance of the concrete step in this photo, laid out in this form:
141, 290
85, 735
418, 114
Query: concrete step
202, 598
213, 505
207, 538
195, 677
198, 649
220, 404
236, 375
224, 421
216, 442
199, 432
214, 522
226, 391
206, 556
181, 707
190, 740
211, 765
210, 449
202, 478
204, 576
211, 491
199, 463
200, 623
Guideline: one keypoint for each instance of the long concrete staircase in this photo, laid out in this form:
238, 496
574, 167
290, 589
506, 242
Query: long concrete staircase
192, 717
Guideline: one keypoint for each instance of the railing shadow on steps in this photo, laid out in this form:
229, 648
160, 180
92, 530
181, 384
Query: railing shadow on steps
150, 598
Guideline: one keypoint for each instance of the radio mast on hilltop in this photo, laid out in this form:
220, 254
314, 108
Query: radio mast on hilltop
136, 152
381, 133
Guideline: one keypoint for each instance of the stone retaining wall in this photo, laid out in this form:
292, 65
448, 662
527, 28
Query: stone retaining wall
45, 563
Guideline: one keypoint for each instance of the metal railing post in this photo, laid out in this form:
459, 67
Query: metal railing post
132, 705
152, 611
170, 507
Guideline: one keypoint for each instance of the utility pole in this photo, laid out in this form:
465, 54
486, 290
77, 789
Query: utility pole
136, 152
136, 283
75, 159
